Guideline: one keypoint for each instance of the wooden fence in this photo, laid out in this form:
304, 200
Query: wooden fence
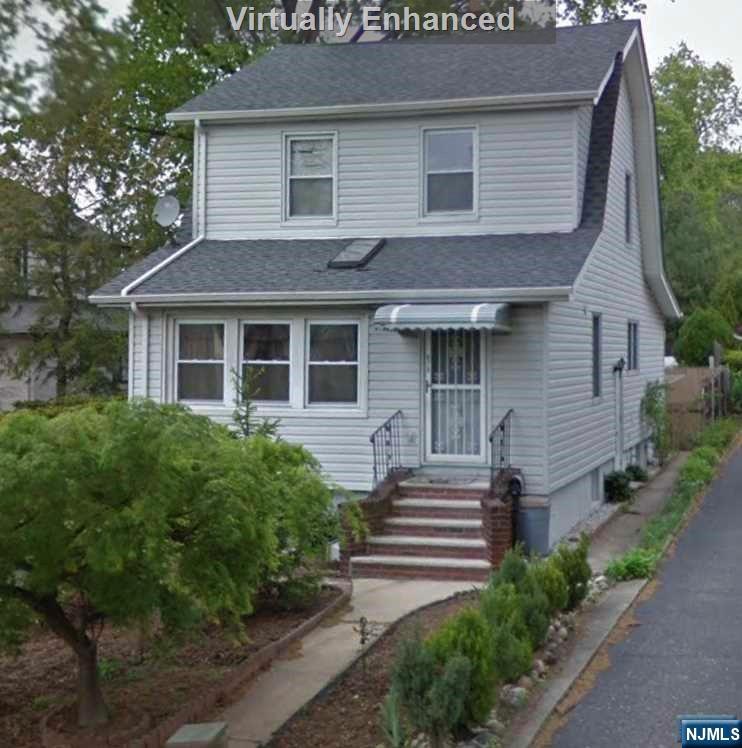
696, 397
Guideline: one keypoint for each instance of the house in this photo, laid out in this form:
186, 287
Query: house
454, 248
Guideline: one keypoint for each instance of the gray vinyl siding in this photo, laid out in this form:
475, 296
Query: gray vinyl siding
517, 382
526, 177
584, 121
582, 429
340, 442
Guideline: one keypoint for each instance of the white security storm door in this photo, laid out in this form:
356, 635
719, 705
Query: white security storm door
454, 399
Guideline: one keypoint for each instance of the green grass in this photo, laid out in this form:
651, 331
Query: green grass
698, 472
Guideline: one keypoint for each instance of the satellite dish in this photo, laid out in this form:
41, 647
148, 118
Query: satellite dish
167, 210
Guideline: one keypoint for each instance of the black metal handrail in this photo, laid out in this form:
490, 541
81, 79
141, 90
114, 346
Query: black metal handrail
386, 443
500, 447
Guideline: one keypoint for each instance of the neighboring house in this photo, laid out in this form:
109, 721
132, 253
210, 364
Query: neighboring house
450, 230
15, 326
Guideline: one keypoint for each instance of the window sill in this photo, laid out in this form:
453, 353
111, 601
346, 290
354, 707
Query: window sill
453, 217
281, 411
309, 222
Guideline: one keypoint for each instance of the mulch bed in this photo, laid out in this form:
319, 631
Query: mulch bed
150, 683
347, 714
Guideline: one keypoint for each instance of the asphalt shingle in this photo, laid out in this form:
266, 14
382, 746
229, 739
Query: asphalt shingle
435, 69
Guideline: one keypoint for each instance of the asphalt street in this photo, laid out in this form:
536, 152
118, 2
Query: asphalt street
685, 654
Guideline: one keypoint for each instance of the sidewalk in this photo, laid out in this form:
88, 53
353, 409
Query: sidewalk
276, 694
623, 530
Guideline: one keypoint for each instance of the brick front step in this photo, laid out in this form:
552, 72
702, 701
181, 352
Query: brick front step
447, 492
430, 547
443, 508
434, 527
417, 567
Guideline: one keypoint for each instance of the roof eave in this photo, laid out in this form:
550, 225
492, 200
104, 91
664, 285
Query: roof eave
325, 298
519, 101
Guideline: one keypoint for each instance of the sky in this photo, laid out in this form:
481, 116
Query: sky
712, 28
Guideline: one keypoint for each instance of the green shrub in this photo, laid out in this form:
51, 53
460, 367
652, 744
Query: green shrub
553, 582
513, 569
573, 564
637, 473
733, 360
696, 471
720, 435
708, 454
501, 604
432, 699
513, 655
736, 391
698, 334
468, 635
638, 563
514, 596
618, 487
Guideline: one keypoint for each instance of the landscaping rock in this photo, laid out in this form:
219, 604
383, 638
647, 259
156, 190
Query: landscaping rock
495, 726
525, 682
550, 656
563, 634
515, 696
539, 667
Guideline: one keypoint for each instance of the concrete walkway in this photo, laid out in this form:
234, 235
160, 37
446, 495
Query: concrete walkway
279, 692
623, 531
680, 654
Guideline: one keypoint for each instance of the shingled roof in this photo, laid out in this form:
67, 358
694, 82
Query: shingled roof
418, 70
276, 266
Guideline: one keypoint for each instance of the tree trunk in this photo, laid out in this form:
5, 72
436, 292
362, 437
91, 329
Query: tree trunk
91, 708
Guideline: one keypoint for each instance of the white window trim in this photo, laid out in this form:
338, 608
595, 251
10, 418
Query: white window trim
333, 407
451, 215
290, 363
178, 361
286, 217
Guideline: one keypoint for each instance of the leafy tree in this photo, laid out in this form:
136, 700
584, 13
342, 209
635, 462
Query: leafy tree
698, 334
115, 513
699, 109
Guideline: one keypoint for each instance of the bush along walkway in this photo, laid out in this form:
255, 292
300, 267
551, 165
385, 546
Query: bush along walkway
467, 683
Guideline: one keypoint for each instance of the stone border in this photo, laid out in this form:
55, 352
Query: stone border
199, 707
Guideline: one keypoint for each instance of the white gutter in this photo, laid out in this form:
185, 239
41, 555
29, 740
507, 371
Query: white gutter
565, 98
499, 295
156, 269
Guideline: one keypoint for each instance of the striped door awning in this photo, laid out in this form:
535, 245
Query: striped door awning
495, 317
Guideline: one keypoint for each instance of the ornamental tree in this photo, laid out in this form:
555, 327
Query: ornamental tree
113, 514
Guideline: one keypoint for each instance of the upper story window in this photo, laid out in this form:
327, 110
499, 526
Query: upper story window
628, 225
200, 362
310, 174
266, 360
449, 171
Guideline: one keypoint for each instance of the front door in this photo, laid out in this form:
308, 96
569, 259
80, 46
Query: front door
454, 396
